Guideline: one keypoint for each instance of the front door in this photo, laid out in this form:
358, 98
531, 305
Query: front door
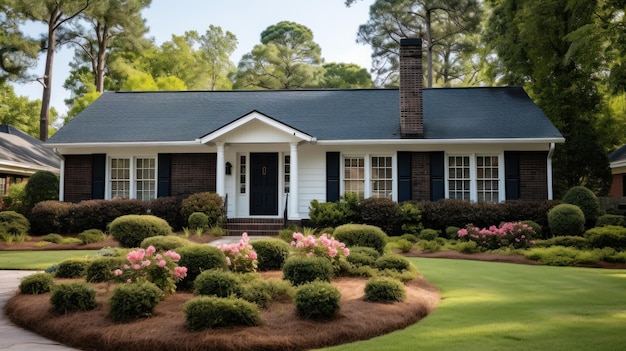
263, 184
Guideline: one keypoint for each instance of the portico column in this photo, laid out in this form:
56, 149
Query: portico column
294, 197
220, 187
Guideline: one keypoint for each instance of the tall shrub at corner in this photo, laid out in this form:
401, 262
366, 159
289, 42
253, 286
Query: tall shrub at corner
41, 186
566, 219
130, 230
586, 200
210, 204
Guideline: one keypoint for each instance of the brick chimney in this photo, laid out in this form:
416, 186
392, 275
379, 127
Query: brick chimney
411, 85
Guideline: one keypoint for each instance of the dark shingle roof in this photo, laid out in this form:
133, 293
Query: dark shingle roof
20, 149
369, 114
618, 155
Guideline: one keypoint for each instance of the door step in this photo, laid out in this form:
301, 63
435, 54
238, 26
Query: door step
256, 226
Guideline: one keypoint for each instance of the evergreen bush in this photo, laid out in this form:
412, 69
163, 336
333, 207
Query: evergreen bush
198, 220
51, 217
14, 223
36, 284
428, 234
72, 268
210, 204
610, 219
361, 235
215, 312
53, 238
317, 300
216, 282
303, 269
132, 301
566, 219
381, 212
199, 258
41, 186
131, 230
168, 208
586, 200
73, 297
383, 289
91, 236
609, 236
164, 242
393, 262
271, 253
102, 269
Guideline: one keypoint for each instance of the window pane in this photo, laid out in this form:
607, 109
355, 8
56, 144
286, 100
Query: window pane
487, 176
381, 182
354, 175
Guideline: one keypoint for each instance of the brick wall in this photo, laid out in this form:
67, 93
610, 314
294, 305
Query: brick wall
533, 175
77, 184
193, 173
420, 176
617, 185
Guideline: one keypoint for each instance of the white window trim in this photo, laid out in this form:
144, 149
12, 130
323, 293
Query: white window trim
473, 174
367, 187
132, 192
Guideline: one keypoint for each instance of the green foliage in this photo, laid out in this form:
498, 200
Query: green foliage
210, 204
586, 200
14, 223
271, 253
345, 76
411, 218
566, 219
404, 245
51, 217
132, 301
452, 232
303, 269
381, 212
131, 230
215, 312
101, 269
429, 245
610, 219
359, 259
566, 240
373, 253
429, 234
609, 236
41, 186
73, 297
361, 235
218, 283
168, 208
36, 284
333, 214
91, 236
72, 268
553, 256
198, 220
97, 214
467, 247
409, 237
317, 300
393, 262
535, 226
199, 258
383, 289
53, 238
164, 242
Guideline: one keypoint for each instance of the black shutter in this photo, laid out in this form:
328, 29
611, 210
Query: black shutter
98, 172
511, 175
332, 176
437, 175
405, 190
164, 175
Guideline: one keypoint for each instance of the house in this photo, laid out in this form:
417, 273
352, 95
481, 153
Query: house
21, 155
617, 162
268, 152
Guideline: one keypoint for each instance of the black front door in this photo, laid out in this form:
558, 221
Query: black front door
263, 184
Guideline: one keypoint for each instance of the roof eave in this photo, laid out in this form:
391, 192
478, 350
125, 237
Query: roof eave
442, 141
123, 144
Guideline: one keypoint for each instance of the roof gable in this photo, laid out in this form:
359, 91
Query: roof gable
20, 151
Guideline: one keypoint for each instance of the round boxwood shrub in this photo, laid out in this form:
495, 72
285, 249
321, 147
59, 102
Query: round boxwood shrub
73, 297
217, 282
131, 230
409, 237
586, 200
429, 234
102, 269
381, 212
317, 300
134, 300
164, 243
210, 204
452, 232
91, 236
365, 250
536, 227
566, 219
199, 258
361, 235
610, 219
359, 259
14, 223
50, 217
303, 269
72, 268
198, 220
35, 284
610, 236
53, 238
215, 312
566, 240
271, 253
41, 186
384, 289
404, 245
393, 262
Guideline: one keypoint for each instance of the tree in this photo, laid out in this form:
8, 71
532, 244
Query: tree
216, 47
440, 23
55, 14
20, 112
345, 76
287, 58
17, 51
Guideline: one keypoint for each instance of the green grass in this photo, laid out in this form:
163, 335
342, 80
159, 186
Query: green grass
38, 260
499, 306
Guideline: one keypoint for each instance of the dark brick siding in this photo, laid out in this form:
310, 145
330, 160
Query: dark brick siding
77, 184
533, 175
617, 185
193, 173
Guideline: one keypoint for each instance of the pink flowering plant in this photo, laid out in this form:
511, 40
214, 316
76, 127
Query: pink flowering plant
240, 256
515, 234
148, 265
323, 246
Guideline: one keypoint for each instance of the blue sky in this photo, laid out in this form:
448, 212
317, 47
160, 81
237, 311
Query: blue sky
334, 28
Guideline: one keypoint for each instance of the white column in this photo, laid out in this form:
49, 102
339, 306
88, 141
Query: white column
220, 187
549, 171
293, 183
62, 180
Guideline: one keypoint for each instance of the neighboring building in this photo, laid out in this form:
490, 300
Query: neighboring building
271, 151
21, 155
617, 161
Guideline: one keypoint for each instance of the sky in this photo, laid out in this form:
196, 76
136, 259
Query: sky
334, 28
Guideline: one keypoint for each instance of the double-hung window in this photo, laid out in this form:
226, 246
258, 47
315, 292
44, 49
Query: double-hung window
474, 177
132, 177
368, 176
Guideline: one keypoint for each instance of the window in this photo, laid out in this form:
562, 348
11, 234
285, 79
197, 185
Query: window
354, 176
3, 186
475, 177
133, 178
487, 178
382, 177
120, 178
287, 172
242, 174
145, 179
459, 177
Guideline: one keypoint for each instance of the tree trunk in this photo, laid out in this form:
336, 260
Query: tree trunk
101, 56
47, 79
429, 50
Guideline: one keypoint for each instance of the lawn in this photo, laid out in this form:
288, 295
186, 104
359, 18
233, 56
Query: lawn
501, 306
38, 260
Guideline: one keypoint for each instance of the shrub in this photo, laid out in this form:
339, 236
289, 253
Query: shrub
210, 204
518, 235
164, 242
535, 226
383, 289
102, 269
159, 269
198, 220
131, 230
393, 262
404, 245
271, 253
610, 236
429, 234
452, 232
41, 186
72, 268
51, 217
14, 223
198, 258
215, 312
324, 246
97, 214
36, 284
359, 259
240, 257
381, 212
429, 245
467, 247
317, 300
373, 253
133, 301
168, 208
217, 283
566, 219
73, 297
610, 219
263, 292
91, 236
411, 218
304, 269
332, 214
586, 200
361, 235
53, 238
553, 256
409, 237
566, 240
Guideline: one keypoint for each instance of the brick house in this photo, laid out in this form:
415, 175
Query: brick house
272, 152
617, 162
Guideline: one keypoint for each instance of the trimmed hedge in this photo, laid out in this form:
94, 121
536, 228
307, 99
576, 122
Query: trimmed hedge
73, 297
72, 268
317, 300
393, 262
215, 312
219, 283
168, 208
383, 213
361, 235
131, 230
51, 217
38, 283
132, 301
384, 289
164, 242
303, 269
586, 200
566, 219
271, 253
199, 258
210, 204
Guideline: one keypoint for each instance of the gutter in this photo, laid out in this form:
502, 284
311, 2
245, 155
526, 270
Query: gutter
549, 171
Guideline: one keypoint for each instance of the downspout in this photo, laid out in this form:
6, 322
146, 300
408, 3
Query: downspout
549, 171
61, 175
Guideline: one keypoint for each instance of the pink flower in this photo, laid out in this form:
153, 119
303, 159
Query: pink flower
118, 272
162, 263
146, 263
129, 281
228, 261
150, 250
136, 267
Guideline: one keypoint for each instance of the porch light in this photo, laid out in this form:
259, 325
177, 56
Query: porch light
229, 168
